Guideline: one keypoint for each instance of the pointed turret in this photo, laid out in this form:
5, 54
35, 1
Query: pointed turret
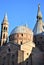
38, 26
5, 17
39, 14
5, 20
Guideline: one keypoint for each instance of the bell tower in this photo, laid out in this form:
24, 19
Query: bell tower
4, 30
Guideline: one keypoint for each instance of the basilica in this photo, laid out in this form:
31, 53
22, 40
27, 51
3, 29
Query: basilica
23, 46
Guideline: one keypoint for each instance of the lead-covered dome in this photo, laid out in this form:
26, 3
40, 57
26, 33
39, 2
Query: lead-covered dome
21, 29
21, 35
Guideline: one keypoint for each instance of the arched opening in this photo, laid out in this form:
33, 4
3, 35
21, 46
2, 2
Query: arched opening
4, 36
21, 42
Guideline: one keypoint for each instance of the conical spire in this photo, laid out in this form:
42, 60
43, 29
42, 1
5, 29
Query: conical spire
38, 26
5, 20
5, 16
39, 15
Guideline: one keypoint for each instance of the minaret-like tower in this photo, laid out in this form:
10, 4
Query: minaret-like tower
4, 30
39, 14
38, 26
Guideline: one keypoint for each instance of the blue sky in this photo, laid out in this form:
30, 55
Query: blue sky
20, 12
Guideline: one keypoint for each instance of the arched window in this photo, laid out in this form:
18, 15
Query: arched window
21, 42
27, 53
4, 28
22, 34
4, 36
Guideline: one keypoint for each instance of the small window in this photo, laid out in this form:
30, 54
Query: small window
27, 53
6, 28
21, 42
35, 42
22, 34
9, 49
4, 36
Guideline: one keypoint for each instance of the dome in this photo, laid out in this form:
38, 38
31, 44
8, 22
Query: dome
21, 29
21, 35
